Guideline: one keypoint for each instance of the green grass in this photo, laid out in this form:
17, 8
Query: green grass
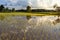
3, 15
31, 13
28, 14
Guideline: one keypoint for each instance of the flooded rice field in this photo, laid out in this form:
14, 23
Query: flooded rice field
34, 28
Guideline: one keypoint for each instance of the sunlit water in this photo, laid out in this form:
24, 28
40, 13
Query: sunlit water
36, 28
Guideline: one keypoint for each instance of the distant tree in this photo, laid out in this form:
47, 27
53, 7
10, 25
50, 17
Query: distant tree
55, 6
57, 9
13, 9
7, 9
28, 9
1, 8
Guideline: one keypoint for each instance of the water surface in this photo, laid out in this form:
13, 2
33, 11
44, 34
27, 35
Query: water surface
36, 28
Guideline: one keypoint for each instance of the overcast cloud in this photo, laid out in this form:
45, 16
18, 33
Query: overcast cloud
33, 3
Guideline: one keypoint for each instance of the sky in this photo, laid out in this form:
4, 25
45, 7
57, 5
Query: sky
21, 4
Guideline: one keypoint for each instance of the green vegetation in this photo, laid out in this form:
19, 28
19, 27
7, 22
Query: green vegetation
13, 9
1, 8
28, 15
6, 9
28, 9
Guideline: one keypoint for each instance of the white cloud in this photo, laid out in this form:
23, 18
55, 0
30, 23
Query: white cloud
46, 3
36, 3
30, 2
13, 1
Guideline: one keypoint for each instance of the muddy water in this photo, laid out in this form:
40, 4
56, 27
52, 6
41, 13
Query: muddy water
36, 28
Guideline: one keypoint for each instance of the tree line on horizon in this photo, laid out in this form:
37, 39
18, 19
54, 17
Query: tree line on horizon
3, 9
6, 9
28, 9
